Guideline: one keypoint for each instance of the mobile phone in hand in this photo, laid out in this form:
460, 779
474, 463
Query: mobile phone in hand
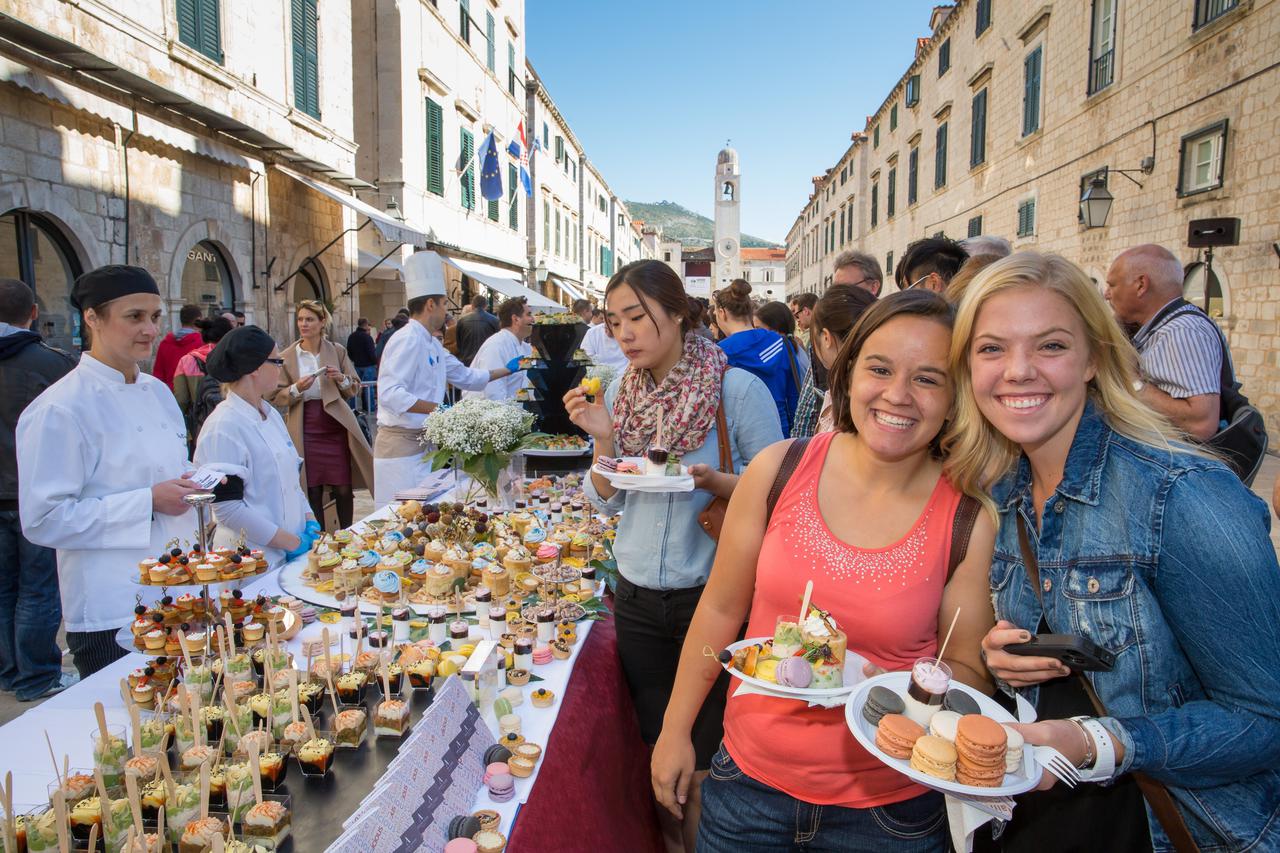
1078, 653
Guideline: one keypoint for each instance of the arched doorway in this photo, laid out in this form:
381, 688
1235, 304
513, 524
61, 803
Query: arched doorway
206, 279
1214, 296
33, 250
310, 283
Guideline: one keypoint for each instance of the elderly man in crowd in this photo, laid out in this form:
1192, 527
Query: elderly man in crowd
1180, 350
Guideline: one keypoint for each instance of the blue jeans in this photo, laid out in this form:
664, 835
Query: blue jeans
30, 610
741, 815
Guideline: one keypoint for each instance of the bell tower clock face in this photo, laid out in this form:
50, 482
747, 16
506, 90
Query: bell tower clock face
727, 247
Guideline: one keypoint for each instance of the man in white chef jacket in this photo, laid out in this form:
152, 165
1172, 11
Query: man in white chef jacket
602, 348
510, 341
412, 377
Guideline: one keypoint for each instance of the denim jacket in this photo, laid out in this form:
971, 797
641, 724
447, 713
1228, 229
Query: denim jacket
1165, 559
660, 544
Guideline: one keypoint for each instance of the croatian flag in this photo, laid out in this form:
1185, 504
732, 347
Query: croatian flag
520, 150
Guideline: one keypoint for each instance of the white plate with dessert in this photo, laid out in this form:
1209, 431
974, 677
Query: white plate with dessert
951, 745
765, 668
561, 445
649, 473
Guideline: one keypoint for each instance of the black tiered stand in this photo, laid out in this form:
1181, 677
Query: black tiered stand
555, 345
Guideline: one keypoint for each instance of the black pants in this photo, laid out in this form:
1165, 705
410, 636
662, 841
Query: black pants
94, 649
651, 626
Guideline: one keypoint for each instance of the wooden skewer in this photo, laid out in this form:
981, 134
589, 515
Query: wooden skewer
10, 819
135, 724
135, 805
56, 774
60, 810
171, 788
948, 637
104, 801
256, 764
93, 836
804, 603
292, 675
101, 713
204, 790
160, 830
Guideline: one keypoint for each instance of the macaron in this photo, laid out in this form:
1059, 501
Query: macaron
981, 744
502, 787
489, 772
795, 672
943, 724
461, 845
881, 701
1013, 752
960, 702
496, 754
464, 825
896, 735
935, 757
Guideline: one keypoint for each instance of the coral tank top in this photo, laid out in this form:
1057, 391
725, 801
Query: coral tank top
886, 600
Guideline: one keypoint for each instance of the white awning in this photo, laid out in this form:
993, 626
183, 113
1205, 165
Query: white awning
391, 228
390, 268
504, 282
569, 289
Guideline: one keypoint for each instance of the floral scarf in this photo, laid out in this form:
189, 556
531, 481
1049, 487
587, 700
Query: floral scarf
688, 398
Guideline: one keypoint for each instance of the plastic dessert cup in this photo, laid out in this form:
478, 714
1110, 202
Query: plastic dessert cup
930, 680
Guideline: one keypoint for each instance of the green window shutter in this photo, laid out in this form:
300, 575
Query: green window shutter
306, 57
493, 209
975, 226
875, 204
491, 52
468, 182
511, 68
913, 168
1031, 91
188, 25
546, 226
435, 148
513, 210
464, 21
978, 136
875, 137
891, 194
940, 158
893, 117
199, 26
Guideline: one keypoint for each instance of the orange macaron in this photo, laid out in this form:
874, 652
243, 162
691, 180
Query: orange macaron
980, 748
896, 735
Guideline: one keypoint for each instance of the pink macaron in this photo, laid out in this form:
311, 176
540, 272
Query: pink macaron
542, 655
494, 769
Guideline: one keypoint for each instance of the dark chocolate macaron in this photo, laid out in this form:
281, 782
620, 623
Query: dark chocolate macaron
960, 702
881, 701
463, 826
496, 754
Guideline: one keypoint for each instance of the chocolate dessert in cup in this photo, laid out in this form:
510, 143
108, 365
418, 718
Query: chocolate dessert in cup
930, 680
656, 462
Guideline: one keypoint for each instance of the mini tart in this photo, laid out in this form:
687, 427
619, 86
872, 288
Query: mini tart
521, 768
529, 751
560, 650
518, 677
511, 740
543, 698
489, 841
489, 820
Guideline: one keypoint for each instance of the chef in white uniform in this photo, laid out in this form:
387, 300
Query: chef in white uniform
511, 341
412, 377
246, 439
603, 348
103, 464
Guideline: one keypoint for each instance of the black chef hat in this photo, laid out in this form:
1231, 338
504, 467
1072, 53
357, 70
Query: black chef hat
240, 352
111, 282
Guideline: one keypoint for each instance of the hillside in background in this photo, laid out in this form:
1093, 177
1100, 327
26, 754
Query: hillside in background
680, 223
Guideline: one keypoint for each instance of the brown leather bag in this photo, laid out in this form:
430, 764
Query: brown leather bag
712, 516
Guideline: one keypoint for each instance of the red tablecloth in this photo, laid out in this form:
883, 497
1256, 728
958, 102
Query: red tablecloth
592, 791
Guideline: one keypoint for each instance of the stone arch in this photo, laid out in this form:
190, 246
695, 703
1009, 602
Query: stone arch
202, 230
1193, 287
37, 196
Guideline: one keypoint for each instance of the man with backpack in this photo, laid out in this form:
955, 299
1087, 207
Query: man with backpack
191, 383
1186, 368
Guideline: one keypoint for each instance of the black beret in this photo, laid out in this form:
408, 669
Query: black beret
240, 352
111, 282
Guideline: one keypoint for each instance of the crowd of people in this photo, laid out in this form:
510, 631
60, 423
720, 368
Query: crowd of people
1068, 428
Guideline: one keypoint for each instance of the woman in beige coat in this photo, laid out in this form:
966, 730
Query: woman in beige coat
316, 381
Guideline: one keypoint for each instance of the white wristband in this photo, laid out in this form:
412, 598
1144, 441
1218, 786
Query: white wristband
1104, 766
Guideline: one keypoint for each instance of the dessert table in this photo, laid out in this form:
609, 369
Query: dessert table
583, 794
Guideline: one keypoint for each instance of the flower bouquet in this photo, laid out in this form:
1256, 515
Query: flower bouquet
480, 437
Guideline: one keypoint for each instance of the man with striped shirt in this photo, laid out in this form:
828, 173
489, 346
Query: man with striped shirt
1180, 350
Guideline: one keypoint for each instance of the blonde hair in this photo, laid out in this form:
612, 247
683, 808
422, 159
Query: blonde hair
977, 454
316, 308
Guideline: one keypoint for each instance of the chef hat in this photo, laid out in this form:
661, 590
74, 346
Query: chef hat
423, 275
240, 352
101, 285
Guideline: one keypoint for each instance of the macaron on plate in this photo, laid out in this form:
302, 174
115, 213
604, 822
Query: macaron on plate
864, 731
853, 663
642, 482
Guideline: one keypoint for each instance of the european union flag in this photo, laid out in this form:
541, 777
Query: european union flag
490, 172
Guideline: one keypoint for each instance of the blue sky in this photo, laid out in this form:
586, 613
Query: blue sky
652, 90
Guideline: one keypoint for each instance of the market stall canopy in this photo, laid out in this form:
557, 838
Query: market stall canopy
571, 291
502, 281
388, 226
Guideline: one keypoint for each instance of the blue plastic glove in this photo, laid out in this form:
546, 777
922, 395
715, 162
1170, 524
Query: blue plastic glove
306, 540
514, 365
313, 527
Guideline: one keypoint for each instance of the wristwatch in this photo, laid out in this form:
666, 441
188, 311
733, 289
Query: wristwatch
1104, 766
1138, 385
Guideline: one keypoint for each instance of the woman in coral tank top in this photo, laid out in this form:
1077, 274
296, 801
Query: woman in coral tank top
867, 515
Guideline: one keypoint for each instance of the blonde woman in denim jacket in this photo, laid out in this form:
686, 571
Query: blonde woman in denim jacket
1153, 551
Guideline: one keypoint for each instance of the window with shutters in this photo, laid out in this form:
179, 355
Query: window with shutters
513, 209
559, 148
978, 135
842, 226
1207, 11
464, 21
1203, 159
546, 139
944, 57
558, 251
200, 27
940, 157
1027, 218
982, 18
913, 169
435, 148
891, 194
849, 233
875, 136
893, 118
306, 57
468, 182
975, 226
493, 209
888, 264
491, 49
1102, 45
913, 90
1031, 73
511, 68
875, 204
546, 225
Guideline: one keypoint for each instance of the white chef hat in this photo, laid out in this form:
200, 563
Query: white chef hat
423, 275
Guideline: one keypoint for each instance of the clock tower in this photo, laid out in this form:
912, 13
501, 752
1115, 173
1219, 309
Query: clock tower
728, 238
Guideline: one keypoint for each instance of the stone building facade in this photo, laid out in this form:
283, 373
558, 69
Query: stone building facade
1007, 114
135, 133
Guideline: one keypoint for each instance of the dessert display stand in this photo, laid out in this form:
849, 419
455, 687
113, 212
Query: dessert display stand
554, 345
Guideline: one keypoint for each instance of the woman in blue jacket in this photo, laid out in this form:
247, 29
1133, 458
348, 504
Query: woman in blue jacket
757, 351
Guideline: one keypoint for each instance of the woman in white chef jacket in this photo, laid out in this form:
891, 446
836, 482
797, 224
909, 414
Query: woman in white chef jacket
102, 465
245, 438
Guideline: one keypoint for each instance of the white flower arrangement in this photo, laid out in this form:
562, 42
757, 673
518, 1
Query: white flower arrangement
478, 436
